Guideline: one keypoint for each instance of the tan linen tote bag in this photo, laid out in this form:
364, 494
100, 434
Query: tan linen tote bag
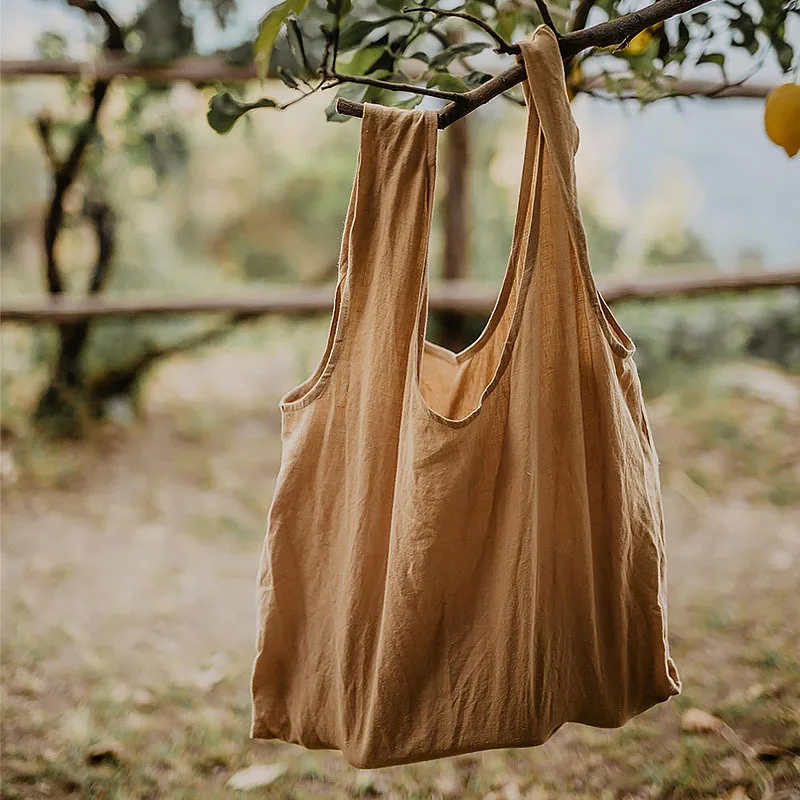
464, 550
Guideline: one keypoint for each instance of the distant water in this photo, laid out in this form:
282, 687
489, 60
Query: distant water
742, 191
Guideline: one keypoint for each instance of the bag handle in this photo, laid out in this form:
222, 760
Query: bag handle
546, 92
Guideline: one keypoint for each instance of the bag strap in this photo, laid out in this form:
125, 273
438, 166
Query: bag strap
546, 94
387, 230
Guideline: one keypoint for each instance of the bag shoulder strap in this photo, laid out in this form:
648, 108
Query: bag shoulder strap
546, 94
385, 245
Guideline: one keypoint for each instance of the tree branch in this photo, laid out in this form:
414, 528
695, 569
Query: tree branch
43, 127
546, 18
115, 39
602, 35
102, 218
454, 97
502, 45
121, 380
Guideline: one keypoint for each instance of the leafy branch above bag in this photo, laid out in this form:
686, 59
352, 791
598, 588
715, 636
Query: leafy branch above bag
395, 52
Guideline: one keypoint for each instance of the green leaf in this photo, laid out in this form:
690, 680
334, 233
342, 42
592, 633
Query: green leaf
713, 58
339, 8
294, 36
377, 95
475, 78
224, 109
506, 25
393, 5
447, 83
744, 33
683, 36
52, 46
783, 50
411, 102
420, 56
442, 60
268, 31
288, 78
353, 35
376, 56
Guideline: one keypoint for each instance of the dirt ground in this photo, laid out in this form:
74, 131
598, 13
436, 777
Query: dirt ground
128, 594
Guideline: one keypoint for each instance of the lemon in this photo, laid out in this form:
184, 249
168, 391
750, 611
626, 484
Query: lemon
782, 117
639, 43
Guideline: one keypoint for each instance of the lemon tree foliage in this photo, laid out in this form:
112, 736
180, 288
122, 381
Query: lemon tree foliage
317, 44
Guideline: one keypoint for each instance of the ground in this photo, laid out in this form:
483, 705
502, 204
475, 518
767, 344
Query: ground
129, 565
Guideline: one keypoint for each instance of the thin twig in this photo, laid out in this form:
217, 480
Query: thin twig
312, 90
454, 97
502, 45
547, 19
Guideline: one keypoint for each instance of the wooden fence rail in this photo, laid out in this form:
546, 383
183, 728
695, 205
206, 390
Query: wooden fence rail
208, 69
459, 296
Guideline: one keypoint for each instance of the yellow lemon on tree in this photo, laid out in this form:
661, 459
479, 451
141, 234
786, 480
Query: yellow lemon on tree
641, 41
782, 117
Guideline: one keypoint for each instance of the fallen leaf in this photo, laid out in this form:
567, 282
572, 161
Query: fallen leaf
256, 776
103, 753
695, 720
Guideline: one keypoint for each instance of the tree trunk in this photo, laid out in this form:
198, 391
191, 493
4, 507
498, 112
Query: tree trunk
65, 404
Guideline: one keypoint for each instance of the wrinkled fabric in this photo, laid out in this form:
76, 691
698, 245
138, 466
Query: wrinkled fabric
464, 551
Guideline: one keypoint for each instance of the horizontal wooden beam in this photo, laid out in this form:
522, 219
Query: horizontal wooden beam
459, 296
212, 70
201, 69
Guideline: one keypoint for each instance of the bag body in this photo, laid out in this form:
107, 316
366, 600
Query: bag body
464, 551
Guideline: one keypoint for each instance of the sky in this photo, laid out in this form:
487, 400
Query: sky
707, 163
